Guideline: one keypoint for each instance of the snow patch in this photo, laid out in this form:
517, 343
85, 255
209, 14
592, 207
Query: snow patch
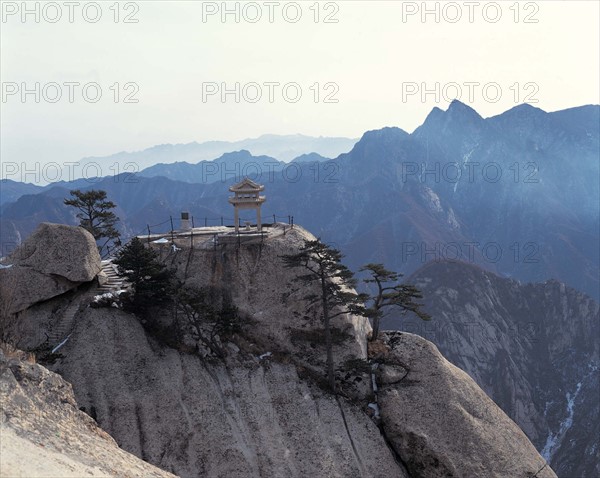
61, 344
375, 408
554, 441
466, 159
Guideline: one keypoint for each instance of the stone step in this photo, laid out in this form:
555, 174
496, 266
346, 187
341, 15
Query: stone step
113, 279
64, 325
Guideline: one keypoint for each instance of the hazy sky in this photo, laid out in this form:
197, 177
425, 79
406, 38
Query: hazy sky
375, 61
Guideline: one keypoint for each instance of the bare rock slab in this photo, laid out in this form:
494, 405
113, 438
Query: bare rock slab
443, 425
43, 434
241, 418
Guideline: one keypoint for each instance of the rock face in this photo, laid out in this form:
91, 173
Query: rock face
533, 348
263, 289
246, 417
43, 434
53, 260
262, 411
443, 425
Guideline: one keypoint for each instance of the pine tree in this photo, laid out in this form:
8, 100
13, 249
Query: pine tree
95, 214
209, 315
401, 296
335, 285
150, 279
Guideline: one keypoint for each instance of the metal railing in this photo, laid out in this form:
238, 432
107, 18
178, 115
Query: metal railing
206, 221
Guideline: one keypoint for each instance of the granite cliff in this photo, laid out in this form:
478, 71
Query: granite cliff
263, 409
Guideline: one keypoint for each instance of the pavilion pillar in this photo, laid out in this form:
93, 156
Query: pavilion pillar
236, 218
258, 219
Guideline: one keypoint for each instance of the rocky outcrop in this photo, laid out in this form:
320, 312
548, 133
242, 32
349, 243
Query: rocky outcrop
264, 290
443, 425
246, 417
53, 260
43, 434
533, 348
262, 410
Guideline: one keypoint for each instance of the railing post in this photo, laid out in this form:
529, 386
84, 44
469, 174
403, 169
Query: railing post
148, 225
292, 221
172, 228
221, 220
205, 222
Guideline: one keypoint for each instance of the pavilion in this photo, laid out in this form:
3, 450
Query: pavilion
247, 196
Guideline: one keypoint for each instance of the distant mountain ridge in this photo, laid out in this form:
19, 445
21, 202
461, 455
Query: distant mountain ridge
11, 190
516, 193
282, 147
229, 165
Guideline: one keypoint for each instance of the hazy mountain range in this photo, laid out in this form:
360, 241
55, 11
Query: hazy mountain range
516, 193
283, 147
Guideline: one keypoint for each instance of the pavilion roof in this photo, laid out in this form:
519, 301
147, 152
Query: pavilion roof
246, 184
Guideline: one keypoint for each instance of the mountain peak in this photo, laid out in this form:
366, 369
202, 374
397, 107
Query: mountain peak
455, 118
387, 133
309, 158
457, 108
241, 155
457, 104
522, 110
241, 152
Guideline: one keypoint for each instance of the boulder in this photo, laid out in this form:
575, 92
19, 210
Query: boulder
45, 434
443, 425
56, 249
53, 260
